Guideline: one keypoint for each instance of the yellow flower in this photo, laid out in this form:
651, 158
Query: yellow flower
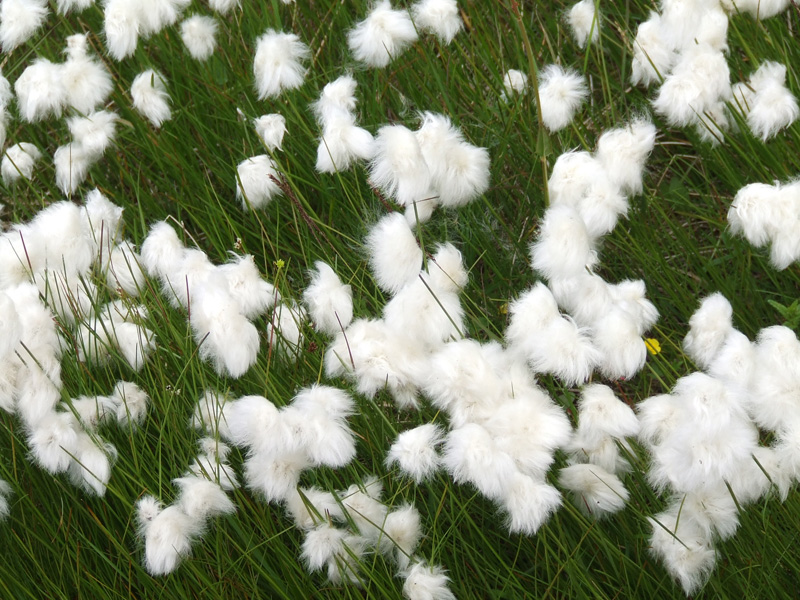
653, 346
279, 264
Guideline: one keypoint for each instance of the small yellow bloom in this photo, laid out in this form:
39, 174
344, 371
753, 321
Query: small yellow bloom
653, 346
279, 264
503, 308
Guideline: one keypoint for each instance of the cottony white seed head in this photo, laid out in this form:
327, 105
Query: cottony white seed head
41, 91
515, 82
584, 22
424, 582
257, 181
271, 129
414, 451
561, 93
150, 97
18, 161
19, 20
395, 256
278, 63
439, 17
199, 36
382, 36
398, 168
329, 301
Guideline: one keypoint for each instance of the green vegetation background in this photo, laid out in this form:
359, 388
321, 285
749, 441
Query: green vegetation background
61, 543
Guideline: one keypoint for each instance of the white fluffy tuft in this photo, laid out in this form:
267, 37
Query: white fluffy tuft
596, 491
439, 17
394, 255
19, 20
584, 22
423, 582
40, 90
202, 499
54, 440
622, 153
685, 548
150, 98
72, 163
199, 36
398, 168
94, 132
616, 337
368, 352
168, 536
254, 294
130, 402
90, 467
514, 82
754, 212
224, 335
696, 84
446, 269
125, 272
459, 171
382, 36
414, 451
602, 414
224, 6
561, 93
18, 161
122, 27
5, 492
564, 350
653, 52
65, 6
563, 248
709, 327
758, 9
337, 97
275, 476
162, 250
285, 329
772, 107
530, 314
329, 301
343, 142
322, 545
311, 506
402, 531
529, 503
87, 83
271, 129
256, 181
471, 456
278, 63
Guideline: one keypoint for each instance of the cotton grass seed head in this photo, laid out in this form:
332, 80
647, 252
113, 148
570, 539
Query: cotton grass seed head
257, 182
18, 161
19, 20
199, 36
514, 82
439, 17
271, 129
584, 22
561, 93
278, 63
382, 36
150, 97
41, 91
414, 451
